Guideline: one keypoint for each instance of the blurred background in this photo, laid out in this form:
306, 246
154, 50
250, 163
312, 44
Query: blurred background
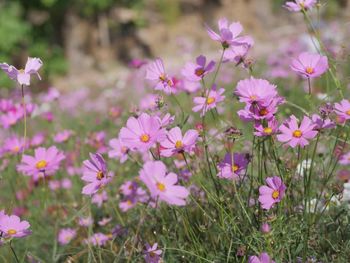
86, 41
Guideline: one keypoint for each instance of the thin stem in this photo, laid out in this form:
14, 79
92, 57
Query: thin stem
13, 252
25, 118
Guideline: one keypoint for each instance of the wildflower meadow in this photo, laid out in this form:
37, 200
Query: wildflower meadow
229, 157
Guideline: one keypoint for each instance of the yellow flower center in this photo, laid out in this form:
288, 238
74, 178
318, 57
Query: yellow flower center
199, 72
129, 202
11, 232
309, 70
348, 112
161, 187
235, 168
15, 149
124, 149
144, 138
41, 164
162, 77
253, 97
297, 133
100, 175
275, 194
263, 112
210, 100
267, 130
178, 144
152, 254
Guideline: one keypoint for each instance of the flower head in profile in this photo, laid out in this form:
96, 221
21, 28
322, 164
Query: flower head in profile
65, 235
295, 134
99, 198
262, 258
322, 123
162, 185
342, 109
176, 143
271, 193
44, 162
118, 150
233, 166
268, 129
156, 73
196, 71
209, 102
152, 254
142, 133
300, 5
22, 76
12, 226
310, 65
95, 174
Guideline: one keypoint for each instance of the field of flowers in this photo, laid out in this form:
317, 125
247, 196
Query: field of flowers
225, 159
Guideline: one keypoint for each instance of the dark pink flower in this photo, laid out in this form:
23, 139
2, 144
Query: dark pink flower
271, 193
233, 166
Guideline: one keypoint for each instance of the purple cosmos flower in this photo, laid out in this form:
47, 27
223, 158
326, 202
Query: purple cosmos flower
12, 226
175, 142
132, 194
195, 72
294, 134
345, 159
300, 5
236, 54
162, 185
97, 239
209, 102
156, 73
342, 109
45, 162
14, 145
272, 193
99, 198
229, 34
262, 258
309, 65
270, 128
95, 174
118, 150
141, 133
321, 124
85, 221
152, 253
22, 76
233, 166
62, 136
65, 235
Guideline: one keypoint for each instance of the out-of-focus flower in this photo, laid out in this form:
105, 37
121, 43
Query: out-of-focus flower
152, 254
99, 198
118, 150
309, 65
65, 235
63, 136
97, 239
342, 109
262, 258
300, 5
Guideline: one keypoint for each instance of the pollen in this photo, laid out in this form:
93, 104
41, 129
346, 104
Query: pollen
297, 133
162, 77
199, 72
11, 232
210, 100
267, 130
144, 138
178, 144
100, 175
41, 164
15, 149
275, 194
263, 112
235, 168
309, 70
253, 97
161, 187
348, 112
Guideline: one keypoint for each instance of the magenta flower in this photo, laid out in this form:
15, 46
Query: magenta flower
162, 185
342, 109
272, 193
152, 253
22, 76
265, 110
268, 129
296, 135
209, 102
45, 162
233, 166
156, 73
196, 72
309, 65
300, 5
12, 226
142, 133
176, 143
65, 235
95, 174
118, 150
262, 258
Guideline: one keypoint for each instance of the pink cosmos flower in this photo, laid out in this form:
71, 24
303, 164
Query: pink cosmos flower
229, 34
132, 194
262, 258
118, 150
272, 193
65, 235
342, 109
269, 129
321, 124
66, 183
209, 102
161, 185
97, 239
12, 226
236, 54
23, 76
85, 221
14, 145
345, 159
95, 174
104, 221
99, 198
54, 185
45, 162
63, 136
176, 143
37, 139
196, 72
300, 5
142, 133
156, 73
233, 166
309, 65
152, 253
296, 134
